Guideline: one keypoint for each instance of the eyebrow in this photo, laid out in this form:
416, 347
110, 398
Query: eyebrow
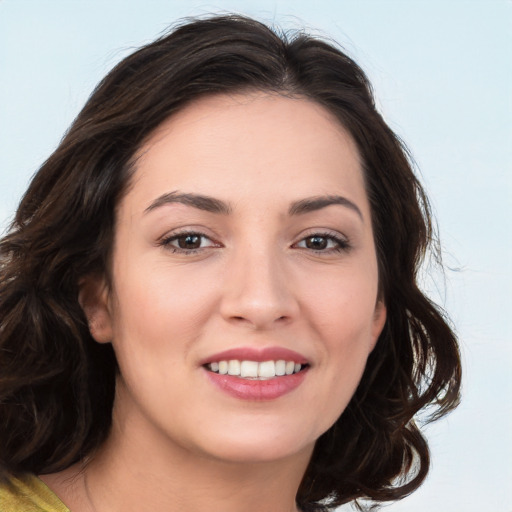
198, 201
212, 205
311, 204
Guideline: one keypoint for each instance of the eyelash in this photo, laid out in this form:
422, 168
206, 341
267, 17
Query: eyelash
167, 242
341, 244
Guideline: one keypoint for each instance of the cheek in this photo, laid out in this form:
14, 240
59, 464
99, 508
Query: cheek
155, 319
159, 309
343, 305
342, 312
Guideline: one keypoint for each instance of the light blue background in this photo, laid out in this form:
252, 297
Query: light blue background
443, 79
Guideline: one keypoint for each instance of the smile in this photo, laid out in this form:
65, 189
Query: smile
256, 374
255, 370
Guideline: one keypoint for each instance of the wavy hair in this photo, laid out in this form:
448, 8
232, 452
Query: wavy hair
57, 384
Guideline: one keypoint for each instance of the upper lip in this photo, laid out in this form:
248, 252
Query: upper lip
256, 354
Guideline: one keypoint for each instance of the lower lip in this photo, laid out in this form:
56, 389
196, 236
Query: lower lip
257, 390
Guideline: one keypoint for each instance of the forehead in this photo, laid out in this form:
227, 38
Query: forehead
249, 144
238, 117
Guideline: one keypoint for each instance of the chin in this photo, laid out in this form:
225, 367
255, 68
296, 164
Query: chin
258, 454
259, 444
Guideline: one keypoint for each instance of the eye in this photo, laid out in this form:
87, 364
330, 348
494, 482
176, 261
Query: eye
187, 243
323, 242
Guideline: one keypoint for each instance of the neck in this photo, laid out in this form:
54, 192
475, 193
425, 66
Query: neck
145, 483
133, 472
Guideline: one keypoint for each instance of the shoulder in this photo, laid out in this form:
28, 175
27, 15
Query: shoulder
28, 494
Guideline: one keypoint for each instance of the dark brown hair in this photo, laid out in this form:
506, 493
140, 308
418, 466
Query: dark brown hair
57, 384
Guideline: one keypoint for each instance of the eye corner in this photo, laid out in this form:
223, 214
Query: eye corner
188, 242
323, 242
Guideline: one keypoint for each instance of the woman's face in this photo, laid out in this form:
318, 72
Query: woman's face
243, 245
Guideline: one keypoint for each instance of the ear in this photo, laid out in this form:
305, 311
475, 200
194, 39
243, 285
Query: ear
379, 320
93, 297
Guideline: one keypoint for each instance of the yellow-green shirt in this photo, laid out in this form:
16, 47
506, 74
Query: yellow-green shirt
29, 494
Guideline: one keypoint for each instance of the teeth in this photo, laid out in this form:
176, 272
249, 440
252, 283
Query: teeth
255, 370
223, 367
280, 367
234, 367
248, 369
267, 369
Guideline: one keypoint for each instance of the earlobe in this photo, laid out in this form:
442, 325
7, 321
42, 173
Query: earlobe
93, 297
379, 320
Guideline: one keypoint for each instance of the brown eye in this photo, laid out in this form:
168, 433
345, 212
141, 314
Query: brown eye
323, 243
189, 241
317, 243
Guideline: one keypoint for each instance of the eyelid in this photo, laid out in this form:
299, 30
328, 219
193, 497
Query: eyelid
342, 241
166, 240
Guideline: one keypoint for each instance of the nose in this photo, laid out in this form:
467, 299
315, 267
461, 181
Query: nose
258, 290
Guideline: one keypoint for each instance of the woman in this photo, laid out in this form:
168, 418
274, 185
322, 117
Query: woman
208, 296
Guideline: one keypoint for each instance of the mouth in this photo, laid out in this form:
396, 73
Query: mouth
255, 370
256, 373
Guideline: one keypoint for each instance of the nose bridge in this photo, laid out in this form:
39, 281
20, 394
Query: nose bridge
257, 291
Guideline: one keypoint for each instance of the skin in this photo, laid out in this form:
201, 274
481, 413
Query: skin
256, 280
